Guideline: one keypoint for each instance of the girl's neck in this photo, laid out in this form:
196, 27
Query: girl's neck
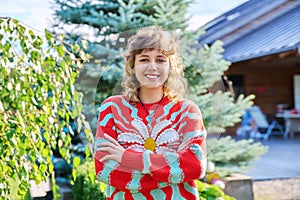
150, 96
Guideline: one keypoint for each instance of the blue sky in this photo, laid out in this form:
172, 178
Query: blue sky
38, 14
205, 10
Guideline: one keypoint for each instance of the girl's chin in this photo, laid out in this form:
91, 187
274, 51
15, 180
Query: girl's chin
152, 86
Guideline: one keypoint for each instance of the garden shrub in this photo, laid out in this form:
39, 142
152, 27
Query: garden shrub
37, 101
233, 156
86, 186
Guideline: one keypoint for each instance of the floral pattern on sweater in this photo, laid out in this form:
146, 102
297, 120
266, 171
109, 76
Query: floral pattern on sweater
152, 167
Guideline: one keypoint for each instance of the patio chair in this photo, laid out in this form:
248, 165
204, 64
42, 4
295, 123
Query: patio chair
263, 128
245, 127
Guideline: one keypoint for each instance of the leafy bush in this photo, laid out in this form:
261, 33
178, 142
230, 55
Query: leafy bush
211, 192
231, 156
86, 185
37, 102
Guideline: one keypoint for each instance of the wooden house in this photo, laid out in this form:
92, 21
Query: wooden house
262, 41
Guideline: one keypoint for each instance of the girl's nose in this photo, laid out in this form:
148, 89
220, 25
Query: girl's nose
152, 64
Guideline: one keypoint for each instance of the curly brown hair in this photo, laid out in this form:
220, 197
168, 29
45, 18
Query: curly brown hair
150, 38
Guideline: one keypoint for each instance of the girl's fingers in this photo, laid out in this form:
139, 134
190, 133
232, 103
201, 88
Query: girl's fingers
105, 158
107, 149
183, 145
106, 144
112, 140
111, 157
112, 147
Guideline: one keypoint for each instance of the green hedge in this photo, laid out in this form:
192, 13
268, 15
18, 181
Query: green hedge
86, 185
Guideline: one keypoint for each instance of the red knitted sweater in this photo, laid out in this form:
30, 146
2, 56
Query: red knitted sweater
151, 166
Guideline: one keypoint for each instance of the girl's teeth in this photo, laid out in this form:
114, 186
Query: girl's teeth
152, 76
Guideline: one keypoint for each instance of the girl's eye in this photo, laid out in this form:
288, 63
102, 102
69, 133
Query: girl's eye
160, 60
144, 60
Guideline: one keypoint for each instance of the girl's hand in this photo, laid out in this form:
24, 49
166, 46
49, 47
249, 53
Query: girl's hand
184, 145
114, 149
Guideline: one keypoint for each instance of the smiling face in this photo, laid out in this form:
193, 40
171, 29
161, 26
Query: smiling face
151, 68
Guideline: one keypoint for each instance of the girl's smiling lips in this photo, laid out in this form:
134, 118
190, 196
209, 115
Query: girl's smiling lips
152, 76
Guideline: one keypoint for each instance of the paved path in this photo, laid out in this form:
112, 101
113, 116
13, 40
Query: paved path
276, 175
277, 189
281, 161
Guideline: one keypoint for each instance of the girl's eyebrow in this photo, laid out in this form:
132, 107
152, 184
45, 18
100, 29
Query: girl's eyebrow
143, 55
146, 55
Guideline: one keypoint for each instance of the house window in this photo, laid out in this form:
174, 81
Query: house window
235, 84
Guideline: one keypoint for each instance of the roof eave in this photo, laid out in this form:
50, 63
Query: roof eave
268, 53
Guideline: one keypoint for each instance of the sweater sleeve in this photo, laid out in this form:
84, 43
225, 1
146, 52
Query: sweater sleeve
110, 171
180, 166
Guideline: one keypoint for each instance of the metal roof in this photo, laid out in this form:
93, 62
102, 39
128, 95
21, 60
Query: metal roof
269, 32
